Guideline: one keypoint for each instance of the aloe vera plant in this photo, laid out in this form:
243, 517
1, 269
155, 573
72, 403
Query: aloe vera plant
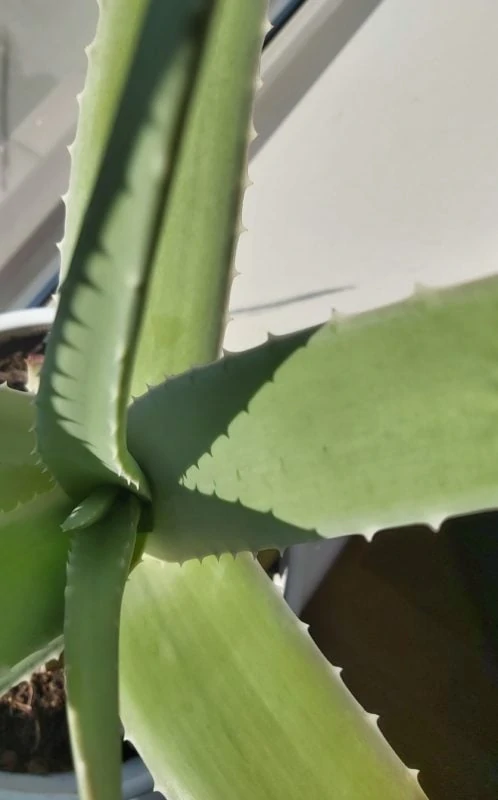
150, 470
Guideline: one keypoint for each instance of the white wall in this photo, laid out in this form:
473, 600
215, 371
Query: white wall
46, 41
384, 174
44, 71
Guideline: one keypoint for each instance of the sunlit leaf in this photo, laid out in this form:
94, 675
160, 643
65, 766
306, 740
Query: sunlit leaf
225, 695
378, 421
185, 314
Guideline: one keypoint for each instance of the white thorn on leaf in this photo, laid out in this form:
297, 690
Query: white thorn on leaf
434, 522
414, 773
369, 533
336, 317
253, 134
373, 718
267, 26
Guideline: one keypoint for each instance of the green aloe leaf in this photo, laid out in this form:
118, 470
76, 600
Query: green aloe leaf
378, 421
84, 385
185, 313
21, 475
33, 556
233, 699
383, 419
98, 567
93, 508
109, 59
173, 425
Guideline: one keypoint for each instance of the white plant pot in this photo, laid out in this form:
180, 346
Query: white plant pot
26, 320
137, 781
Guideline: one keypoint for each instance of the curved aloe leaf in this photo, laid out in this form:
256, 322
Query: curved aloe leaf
85, 379
109, 59
379, 420
185, 312
385, 419
225, 695
33, 555
21, 475
173, 425
93, 508
98, 567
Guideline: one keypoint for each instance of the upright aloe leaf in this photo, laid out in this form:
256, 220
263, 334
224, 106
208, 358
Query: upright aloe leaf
21, 475
232, 698
109, 59
33, 556
85, 380
185, 313
377, 421
98, 567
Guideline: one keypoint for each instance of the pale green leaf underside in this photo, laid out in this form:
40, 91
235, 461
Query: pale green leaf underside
98, 567
33, 555
185, 312
21, 475
381, 420
85, 380
234, 699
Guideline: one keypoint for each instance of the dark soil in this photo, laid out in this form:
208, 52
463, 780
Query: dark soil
33, 729
14, 355
34, 736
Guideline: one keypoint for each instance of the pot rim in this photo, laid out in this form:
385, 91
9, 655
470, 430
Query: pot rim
26, 319
136, 781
